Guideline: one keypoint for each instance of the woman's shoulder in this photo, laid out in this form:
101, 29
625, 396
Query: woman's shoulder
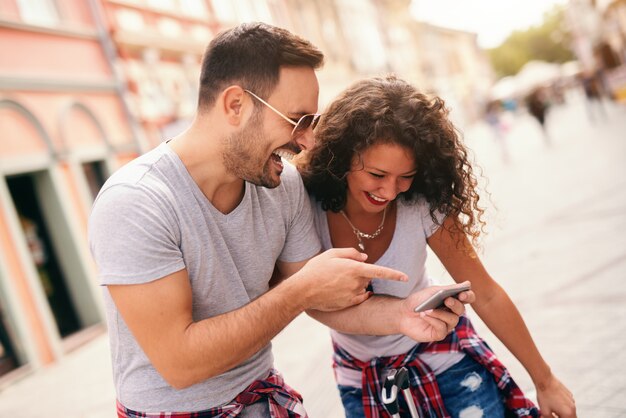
418, 212
417, 205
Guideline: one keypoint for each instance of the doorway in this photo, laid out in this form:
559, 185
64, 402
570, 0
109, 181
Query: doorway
95, 174
8, 357
43, 252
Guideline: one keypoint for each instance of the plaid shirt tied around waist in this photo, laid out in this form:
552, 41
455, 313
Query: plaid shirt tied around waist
284, 402
423, 381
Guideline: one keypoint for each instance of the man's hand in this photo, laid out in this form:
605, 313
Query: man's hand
338, 278
435, 324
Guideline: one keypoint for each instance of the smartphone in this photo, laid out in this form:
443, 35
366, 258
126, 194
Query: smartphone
436, 300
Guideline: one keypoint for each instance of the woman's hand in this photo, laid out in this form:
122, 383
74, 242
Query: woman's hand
555, 400
434, 324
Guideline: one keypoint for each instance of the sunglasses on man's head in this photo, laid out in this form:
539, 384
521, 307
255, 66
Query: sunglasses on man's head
306, 121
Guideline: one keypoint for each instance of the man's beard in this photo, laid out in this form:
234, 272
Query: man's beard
245, 156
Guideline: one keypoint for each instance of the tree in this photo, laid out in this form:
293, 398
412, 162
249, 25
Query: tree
547, 42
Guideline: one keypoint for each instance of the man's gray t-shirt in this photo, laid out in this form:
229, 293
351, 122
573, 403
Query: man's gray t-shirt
150, 220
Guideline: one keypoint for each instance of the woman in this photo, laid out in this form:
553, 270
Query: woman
390, 176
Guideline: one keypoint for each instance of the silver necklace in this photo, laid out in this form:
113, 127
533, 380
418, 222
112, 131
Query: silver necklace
360, 235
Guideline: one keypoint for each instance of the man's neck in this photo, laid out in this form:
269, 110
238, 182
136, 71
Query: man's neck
201, 155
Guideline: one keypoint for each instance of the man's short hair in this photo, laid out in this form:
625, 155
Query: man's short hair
251, 55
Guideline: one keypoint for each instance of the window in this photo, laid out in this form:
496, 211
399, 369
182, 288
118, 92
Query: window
201, 33
130, 20
224, 10
163, 4
169, 27
195, 8
41, 12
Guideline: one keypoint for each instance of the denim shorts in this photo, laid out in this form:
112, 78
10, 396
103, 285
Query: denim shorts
467, 388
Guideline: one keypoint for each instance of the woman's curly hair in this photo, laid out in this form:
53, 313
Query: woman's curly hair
390, 110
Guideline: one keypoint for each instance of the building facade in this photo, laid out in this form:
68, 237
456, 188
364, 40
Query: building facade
64, 128
158, 47
598, 29
454, 67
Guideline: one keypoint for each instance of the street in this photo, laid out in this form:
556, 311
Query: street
556, 243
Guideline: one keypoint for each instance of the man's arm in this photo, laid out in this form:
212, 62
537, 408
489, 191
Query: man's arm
386, 315
184, 352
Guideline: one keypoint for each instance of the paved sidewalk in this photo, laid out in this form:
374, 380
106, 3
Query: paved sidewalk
557, 244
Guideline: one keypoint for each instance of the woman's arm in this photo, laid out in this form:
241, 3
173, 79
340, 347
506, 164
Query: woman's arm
386, 315
500, 314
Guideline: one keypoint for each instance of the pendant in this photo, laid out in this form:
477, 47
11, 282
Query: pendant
361, 247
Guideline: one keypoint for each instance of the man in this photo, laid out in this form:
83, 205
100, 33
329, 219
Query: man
186, 238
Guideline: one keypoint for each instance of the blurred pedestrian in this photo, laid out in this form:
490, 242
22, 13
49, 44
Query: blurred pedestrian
509, 105
186, 238
594, 103
390, 176
538, 108
499, 128
556, 91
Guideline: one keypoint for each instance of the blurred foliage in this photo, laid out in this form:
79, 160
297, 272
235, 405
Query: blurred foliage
547, 42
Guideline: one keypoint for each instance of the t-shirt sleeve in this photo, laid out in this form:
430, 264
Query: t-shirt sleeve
132, 238
429, 226
302, 241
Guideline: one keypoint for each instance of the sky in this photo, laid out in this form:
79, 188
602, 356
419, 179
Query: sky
492, 20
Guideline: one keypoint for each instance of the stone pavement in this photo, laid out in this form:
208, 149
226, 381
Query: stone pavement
556, 243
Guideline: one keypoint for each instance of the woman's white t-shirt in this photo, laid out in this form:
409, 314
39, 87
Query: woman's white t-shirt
407, 252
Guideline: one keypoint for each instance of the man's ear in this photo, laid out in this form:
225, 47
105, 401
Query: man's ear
234, 104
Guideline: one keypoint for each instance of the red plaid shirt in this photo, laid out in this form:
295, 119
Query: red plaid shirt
284, 402
423, 381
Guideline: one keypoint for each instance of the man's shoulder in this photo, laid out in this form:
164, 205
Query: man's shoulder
134, 172
138, 180
287, 198
291, 181
290, 173
290, 184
